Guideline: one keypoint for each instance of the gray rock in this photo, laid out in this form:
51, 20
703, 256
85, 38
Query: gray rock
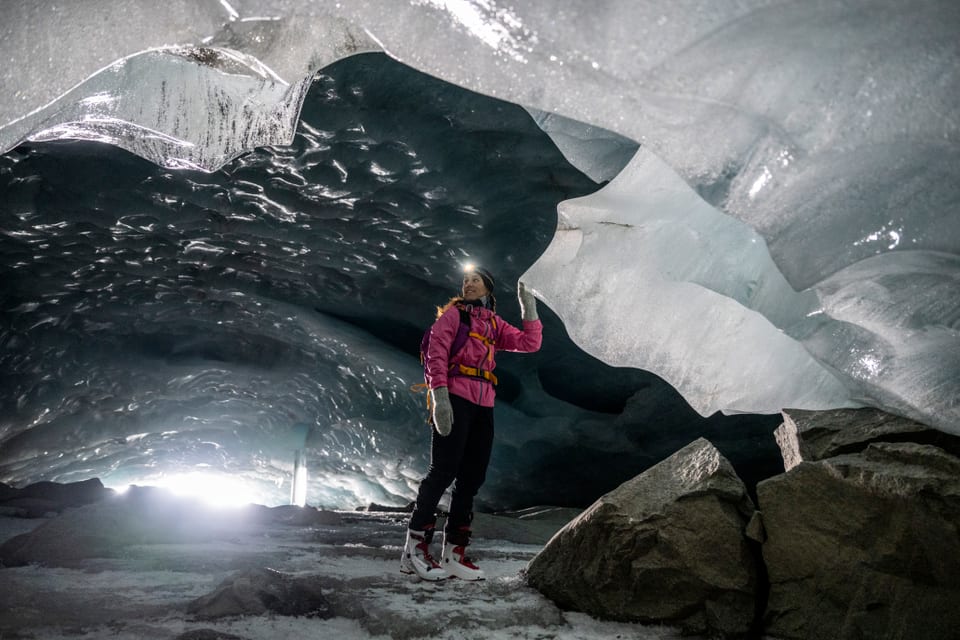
42, 498
865, 545
817, 435
258, 591
302, 516
755, 530
373, 507
667, 546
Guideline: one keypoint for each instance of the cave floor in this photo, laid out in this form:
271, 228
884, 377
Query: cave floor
144, 593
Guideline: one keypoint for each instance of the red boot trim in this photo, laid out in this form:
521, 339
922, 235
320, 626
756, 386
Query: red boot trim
460, 552
424, 549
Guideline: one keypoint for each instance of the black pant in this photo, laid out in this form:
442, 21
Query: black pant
462, 457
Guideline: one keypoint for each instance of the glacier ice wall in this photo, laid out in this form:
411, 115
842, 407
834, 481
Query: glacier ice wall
646, 273
830, 128
162, 323
212, 397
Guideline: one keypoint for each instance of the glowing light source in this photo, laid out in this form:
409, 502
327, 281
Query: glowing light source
216, 490
298, 492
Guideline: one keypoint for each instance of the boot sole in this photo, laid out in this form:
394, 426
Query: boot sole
411, 572
473, 578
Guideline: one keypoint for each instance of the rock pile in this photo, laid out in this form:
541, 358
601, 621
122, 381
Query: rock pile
863, 532
860, 538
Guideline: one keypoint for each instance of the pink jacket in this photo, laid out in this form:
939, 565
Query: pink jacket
475, 353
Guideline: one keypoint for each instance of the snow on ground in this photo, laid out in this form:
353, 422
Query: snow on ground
144, 593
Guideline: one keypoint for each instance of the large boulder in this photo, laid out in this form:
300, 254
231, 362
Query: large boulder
817, 435
865, 545
667, 546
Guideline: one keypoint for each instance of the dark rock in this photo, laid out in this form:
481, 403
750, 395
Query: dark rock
304, 516
32, 507
818, 435
865, 545
5, 491
207, 634
667, 546
41, 498
373, 507
258, 591
77, 493
755, 530
257, 513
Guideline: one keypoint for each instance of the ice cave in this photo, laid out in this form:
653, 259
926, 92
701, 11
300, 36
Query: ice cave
225, 225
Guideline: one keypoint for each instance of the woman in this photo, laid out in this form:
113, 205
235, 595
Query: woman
461, 399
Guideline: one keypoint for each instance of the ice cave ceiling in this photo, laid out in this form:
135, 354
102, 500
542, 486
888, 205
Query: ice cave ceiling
224, 225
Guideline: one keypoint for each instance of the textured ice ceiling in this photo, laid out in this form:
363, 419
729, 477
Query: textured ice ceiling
785, 237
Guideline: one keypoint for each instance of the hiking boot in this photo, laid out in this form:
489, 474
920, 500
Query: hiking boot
454, 559
416, 556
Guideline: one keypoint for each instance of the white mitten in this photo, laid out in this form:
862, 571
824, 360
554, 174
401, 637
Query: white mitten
442, 411
528, 304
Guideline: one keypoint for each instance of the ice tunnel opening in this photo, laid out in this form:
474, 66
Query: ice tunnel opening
186, 320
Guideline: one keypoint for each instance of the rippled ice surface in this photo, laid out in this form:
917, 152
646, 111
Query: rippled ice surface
161, 323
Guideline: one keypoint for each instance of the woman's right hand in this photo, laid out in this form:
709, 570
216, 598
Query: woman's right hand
528, 304
442, 411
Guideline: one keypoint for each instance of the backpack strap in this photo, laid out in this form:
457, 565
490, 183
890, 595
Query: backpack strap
463, 331
490, 343
473, 372
459, 341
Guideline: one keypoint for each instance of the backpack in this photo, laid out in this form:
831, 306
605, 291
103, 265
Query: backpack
463, 334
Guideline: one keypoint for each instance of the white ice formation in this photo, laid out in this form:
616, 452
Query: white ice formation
823, 132
648, 274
